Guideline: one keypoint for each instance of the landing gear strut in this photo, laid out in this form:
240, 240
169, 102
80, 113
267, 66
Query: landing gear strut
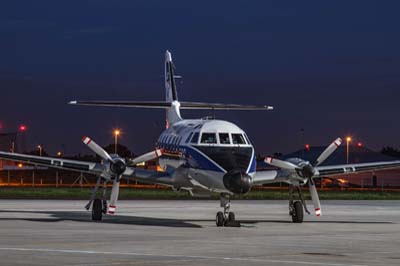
296, 207
99, 206
226, 218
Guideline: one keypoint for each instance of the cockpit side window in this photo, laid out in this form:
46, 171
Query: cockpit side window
238, 139
188, 138
247, 139
209, 138
224, 138
195, 138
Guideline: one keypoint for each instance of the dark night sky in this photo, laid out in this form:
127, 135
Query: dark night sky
330, 67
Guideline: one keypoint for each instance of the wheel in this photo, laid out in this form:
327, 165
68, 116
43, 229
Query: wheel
97, 210
231, 217
220, 219
298, 213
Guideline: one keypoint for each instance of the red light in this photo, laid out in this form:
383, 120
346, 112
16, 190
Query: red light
22, 128
359, 144
307, 146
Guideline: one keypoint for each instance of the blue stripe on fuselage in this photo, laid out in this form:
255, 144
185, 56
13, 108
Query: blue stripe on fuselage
253, 165
193, 157
202, 161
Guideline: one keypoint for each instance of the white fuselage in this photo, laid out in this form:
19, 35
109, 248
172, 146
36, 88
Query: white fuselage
200, 153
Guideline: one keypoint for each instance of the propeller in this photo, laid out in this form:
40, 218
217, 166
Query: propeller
97, 149
116, 170
307, 170
146, 157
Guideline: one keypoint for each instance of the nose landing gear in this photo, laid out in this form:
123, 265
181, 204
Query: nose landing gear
226, 218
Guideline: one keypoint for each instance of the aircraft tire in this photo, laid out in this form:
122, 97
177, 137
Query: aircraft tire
231, 217
97, 210
220, 219
298, 213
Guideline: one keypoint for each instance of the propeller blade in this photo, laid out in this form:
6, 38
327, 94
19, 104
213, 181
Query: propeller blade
146, 157
328, 151
97, 149
281, 164
314, 197
114, 197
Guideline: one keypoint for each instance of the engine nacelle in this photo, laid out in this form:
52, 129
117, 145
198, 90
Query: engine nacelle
237, 182
118, 167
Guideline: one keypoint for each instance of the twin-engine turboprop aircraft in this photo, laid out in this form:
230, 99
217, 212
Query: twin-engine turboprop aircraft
200, 155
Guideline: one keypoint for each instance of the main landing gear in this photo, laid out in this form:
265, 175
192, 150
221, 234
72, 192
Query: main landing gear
296, 207
226, 218
99, 206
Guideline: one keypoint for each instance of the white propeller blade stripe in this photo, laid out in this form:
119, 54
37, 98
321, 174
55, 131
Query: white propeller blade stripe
97, 149
315, 198
146, 157
281, 164
114, 197
328, 151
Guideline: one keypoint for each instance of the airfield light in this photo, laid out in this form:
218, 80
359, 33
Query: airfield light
348, 140
59, 153
22, 128
20, 165
40, 149
117, 132
307, 146
360, 144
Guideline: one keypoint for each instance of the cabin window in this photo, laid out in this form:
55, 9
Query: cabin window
195, 138
209, 138
238, 139
224, 138
188, 138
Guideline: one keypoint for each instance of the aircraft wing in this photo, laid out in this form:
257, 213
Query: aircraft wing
265, 177
166, 105
72, 165
148, 176
354, 168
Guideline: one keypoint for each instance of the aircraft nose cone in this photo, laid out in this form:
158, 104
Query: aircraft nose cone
237, 182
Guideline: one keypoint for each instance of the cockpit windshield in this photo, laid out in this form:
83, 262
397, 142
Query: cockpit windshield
195, 138
224, 138
238, 139
209, 138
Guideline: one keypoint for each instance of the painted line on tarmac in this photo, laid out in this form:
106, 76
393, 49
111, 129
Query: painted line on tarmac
72, 251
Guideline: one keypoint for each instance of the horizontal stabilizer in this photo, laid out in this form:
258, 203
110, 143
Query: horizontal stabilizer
165, 105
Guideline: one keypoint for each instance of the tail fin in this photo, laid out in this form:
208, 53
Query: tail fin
170, 85
171, 96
